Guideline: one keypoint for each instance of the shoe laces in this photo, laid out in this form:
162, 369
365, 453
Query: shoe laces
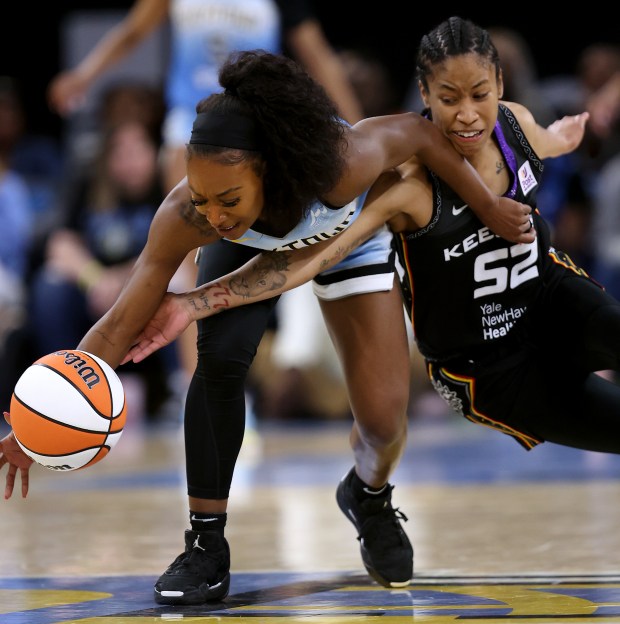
197, 560
178, 562
382, 521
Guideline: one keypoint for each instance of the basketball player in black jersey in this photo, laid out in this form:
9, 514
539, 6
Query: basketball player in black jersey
513, 334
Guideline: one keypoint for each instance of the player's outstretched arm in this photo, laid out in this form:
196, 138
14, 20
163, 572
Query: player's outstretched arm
558, 138
377, 144
266, 275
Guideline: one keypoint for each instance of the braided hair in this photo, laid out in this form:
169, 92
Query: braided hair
454, 37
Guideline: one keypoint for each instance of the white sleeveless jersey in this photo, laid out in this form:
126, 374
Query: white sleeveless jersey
320, 224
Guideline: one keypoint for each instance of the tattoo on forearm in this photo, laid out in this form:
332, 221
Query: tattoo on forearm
267, 272
219, 295
212, 297
195, 302
499, 165
341, 252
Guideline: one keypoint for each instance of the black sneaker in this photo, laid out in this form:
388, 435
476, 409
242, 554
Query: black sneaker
198, 575
386, 550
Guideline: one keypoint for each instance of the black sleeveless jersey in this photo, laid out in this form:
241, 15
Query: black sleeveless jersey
467, 290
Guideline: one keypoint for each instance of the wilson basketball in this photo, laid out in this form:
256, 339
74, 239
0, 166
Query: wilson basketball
68, 410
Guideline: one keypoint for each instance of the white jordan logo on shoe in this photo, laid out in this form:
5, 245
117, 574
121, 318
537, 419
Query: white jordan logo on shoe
197, 545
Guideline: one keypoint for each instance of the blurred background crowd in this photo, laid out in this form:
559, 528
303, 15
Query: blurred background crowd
80, 181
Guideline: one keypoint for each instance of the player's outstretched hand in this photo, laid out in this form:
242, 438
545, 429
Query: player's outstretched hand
569, 130
66, 93
12, 455
169, 321
511, 221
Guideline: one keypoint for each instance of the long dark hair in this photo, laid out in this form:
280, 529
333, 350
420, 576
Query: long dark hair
302, 140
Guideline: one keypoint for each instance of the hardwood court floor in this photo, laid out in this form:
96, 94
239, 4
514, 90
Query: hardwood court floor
500, 534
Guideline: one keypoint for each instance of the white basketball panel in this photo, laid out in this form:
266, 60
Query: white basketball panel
45, 391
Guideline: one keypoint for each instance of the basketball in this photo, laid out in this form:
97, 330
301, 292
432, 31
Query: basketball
68, 410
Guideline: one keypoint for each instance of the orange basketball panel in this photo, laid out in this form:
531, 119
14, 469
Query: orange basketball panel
118, 423
103, 451
48, 437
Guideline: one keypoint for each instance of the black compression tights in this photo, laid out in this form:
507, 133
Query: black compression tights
215, 406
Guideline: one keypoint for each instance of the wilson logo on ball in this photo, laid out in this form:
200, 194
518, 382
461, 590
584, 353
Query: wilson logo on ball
86, 372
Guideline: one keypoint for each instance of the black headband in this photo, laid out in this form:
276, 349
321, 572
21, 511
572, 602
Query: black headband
232, 129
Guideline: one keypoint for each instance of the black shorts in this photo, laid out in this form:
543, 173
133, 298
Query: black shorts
545, 388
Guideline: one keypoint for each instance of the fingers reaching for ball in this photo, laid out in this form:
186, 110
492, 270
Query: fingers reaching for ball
12, 456
10, 482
